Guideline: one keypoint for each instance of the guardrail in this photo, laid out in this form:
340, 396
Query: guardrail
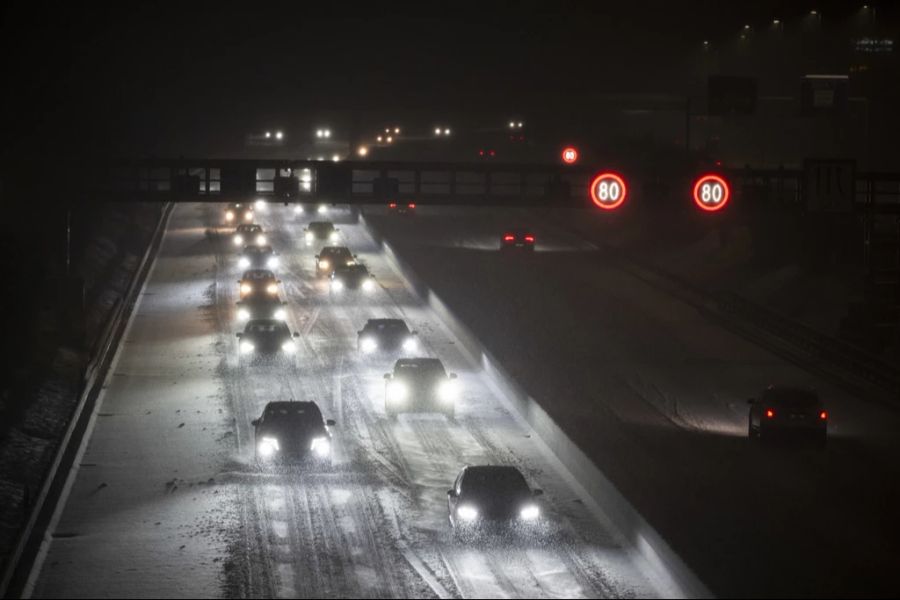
33, 535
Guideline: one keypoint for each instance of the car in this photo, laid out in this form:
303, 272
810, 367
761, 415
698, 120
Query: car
321, 231
258, 282
331, 256
402, 208
386, 335
266, 339
292, 433
492, 499
420, 385
782, 411
258, 257
249, 234
517, 239
351, 277
237, 212
261, 307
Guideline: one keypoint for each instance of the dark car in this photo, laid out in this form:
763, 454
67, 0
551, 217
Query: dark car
291, 433
266, 339
261, 307
517, 239
492, 499
386, 335
402, 208
249, 234
788, 412
320, 231
420, 385
258, 282
238, 213
258, 257
352, 277
332, 256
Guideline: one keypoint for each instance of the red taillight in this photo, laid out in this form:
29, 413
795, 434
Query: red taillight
412, 204
392, 205
529, 239
823, 415
493, 153
770, 414
509, 238
481, 153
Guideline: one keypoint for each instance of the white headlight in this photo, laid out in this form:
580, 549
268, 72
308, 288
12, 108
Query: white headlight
248, 216
530, 512
246, 288
229, 216
261, 240
337, 285
238, 240
272, 288
410, 344
333, 236
243, 314
322, 209
467, 513
298, 210
244, 262
272, 262
368, 345
324, 264
397, 391
280, 314
321, 447
267, 446
260, 205
368, 285
309, 237
247, 347
289, 347
447, 391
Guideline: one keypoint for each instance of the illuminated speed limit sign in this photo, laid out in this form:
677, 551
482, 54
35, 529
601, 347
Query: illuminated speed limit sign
711, 193
608, 191
569, 155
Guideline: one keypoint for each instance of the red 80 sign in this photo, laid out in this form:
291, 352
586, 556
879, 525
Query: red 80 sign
608, 191
711, 193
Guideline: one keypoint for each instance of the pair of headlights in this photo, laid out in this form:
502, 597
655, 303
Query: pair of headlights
271, 289
367, 286
398, 391
269, 446
288, 347
468, 513
369, 345
244, 315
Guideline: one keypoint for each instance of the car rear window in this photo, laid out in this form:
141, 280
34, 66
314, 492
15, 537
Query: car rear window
494, 481
266, 328
792, 398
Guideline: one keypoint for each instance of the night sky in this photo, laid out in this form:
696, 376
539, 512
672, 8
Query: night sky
121, 79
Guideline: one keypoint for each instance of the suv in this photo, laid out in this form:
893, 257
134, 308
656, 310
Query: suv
238, 212
420, 385
292, 433
331, 257
258, 282
320, 230
352, 277
788, 411
517, 239
258, 257
386, 335
492, 498
266, 339
247, 234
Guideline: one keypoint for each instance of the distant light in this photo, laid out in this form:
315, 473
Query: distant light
447, 131
776, 22
397, 130
387, 129
746, 27
706, 42
268, 134
814, 12
520, 124
362, 151
336, 157
379, 138
328, 133
278, 135
320, 158
437, 131
318, 133
511, 124
389, 139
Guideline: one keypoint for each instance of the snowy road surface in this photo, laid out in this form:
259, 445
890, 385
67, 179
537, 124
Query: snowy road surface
165, 500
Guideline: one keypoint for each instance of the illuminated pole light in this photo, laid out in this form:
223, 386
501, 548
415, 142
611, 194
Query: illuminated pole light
363, 151
608, 191
711, 192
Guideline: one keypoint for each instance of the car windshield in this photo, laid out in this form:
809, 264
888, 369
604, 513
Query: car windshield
293, 411
389, 327
425, 368
258, 250
335, 253
494, 481
353, 270
320, 226
258, 275
267, 327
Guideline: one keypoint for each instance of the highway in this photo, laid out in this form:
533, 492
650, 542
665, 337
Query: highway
166, 500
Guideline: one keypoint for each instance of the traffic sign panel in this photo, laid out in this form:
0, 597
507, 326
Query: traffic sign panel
569, 155
711, 192
608, 190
